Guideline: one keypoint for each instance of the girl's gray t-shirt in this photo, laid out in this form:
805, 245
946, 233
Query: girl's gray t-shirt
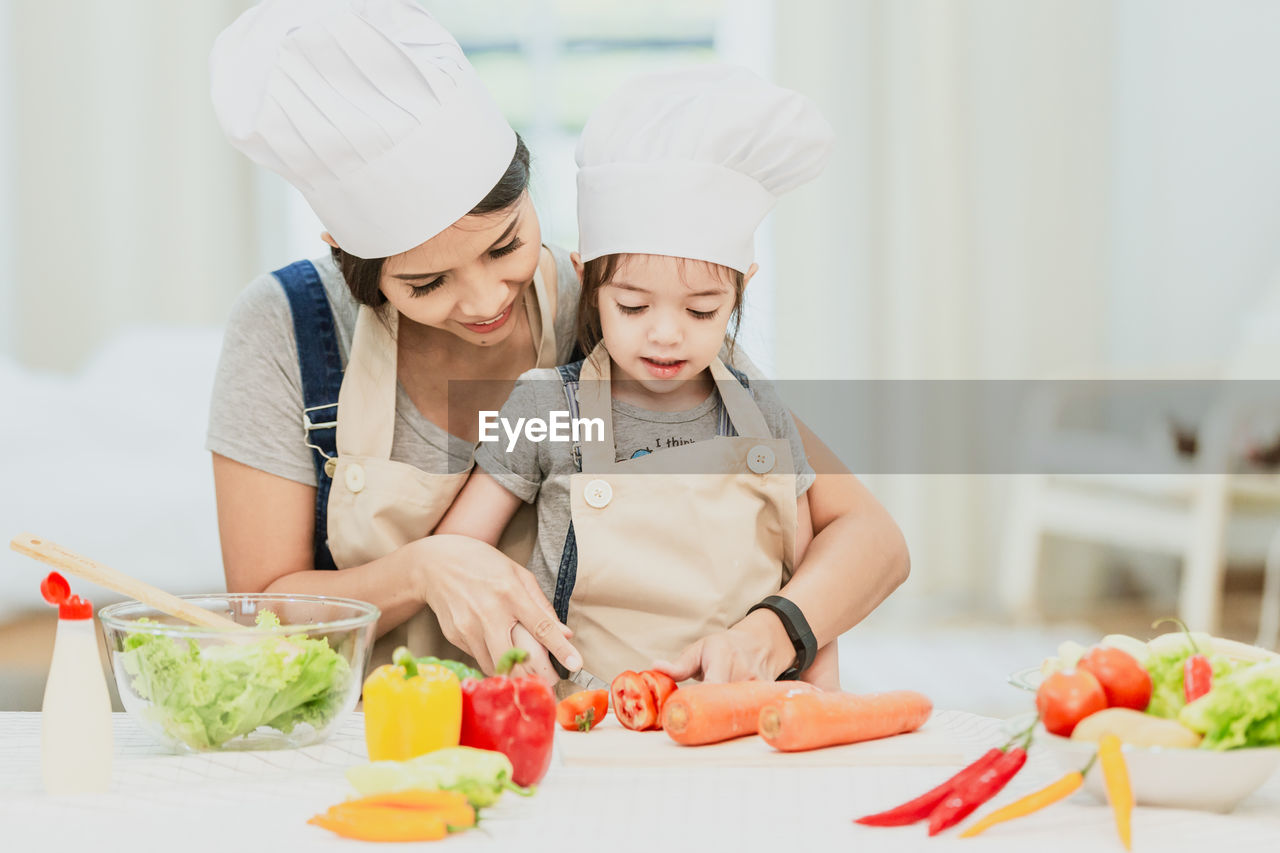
255, 415
540, 470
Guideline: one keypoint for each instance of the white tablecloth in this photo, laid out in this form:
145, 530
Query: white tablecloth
261, 801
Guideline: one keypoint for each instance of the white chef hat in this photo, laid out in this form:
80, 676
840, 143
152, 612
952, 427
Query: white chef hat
687, 163
369, 108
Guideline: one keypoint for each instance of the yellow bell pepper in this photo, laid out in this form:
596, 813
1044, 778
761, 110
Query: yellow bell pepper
410, 710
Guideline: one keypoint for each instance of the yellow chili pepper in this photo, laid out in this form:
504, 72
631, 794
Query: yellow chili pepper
1119, 793
1059, 790
410, 710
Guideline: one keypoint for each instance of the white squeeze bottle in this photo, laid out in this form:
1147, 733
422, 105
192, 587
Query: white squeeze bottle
75, 722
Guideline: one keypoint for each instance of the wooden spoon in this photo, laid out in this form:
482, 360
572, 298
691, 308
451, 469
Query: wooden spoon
69, 561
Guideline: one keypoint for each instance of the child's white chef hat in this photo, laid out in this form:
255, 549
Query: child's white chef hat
369, 108
687, 163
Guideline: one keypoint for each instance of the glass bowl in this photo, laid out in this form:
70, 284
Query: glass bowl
198, 689
1028, 678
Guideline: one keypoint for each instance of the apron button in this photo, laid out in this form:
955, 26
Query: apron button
760, 459
330, 465
598, 493
355, 478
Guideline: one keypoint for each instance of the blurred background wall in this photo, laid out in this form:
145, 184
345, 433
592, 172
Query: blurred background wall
1021, 188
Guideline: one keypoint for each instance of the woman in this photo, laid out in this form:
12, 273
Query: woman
437, 275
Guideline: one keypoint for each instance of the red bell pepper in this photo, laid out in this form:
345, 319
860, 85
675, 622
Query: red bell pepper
514, 716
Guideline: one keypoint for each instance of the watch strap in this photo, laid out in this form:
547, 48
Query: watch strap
798, 631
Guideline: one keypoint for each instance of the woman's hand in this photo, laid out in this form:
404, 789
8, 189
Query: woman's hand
479, 596
755, 649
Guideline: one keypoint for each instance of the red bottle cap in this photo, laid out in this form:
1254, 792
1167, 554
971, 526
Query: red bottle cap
57, 592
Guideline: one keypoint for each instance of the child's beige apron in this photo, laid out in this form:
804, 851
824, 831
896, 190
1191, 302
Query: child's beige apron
376, 504
677, 544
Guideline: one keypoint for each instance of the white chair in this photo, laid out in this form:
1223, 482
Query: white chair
1186, 514
1269, 620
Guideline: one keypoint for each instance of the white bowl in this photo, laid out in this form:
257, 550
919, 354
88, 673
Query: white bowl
1202, 779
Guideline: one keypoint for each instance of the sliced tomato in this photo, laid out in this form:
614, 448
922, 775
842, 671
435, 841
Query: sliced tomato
633, 702
662, 686
582, 710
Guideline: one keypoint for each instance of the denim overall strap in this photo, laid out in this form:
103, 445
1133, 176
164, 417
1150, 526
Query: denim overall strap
568, 571
321, 369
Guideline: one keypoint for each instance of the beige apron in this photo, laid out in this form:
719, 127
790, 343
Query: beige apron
665, 556
377, 505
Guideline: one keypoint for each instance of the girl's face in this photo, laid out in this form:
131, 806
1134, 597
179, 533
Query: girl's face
468, 279
663, 319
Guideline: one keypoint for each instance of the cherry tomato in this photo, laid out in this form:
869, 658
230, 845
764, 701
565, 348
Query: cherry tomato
633, 702
582, 710
661, 685
1066, 698
1125, 682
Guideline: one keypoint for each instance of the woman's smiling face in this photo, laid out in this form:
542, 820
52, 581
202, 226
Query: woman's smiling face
468, 279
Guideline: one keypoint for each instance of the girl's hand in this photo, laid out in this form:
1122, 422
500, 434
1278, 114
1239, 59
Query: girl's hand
755, 649
538, 664
479, 595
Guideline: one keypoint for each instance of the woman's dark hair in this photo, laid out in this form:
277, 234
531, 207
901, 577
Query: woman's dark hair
598, 272
364, 275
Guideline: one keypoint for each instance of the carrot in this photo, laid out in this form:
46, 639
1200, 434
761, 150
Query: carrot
814, 720
708, 713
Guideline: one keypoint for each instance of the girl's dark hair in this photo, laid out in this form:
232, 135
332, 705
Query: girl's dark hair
598, 272
363, 275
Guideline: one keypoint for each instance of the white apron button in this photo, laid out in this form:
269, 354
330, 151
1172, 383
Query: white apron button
598, 493
355, 478
760, 459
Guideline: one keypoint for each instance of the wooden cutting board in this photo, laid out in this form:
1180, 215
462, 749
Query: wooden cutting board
610, 744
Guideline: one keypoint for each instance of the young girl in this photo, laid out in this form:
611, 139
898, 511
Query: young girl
686, 511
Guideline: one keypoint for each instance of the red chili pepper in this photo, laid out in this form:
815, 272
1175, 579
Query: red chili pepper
514, 716
1197, 677
963, 801
1197, 672
921, 807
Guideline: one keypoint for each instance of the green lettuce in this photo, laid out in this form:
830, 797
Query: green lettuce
1166, 669
1242, 709
205, 697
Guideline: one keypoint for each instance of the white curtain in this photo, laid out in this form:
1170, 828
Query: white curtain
129, 207
1022, 187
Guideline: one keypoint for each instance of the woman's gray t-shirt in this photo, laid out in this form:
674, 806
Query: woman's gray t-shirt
255, 416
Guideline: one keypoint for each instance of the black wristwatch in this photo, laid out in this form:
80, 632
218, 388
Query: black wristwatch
798, 631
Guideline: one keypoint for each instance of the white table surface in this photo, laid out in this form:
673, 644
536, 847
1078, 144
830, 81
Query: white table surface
261, 800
